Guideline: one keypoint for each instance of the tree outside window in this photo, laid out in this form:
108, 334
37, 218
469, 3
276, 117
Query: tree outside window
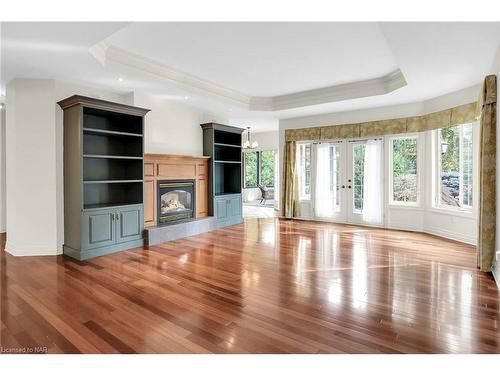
404, 170
250, 159
259, 168
358, 169
456, 164
267, 168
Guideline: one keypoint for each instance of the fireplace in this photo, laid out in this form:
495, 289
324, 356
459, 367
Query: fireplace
176, 201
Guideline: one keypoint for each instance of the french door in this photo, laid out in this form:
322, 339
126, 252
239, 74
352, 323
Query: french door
348, 177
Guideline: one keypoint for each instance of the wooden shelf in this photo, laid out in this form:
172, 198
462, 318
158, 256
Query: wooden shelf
111, 181
109, 132
227, 162
226, 145
107, 205
112, 157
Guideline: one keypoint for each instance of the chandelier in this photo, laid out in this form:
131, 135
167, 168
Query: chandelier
247, 143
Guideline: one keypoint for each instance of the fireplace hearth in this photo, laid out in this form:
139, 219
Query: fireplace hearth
176, 201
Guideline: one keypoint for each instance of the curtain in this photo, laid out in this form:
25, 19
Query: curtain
323, 196
372, 183
436, 120
487, 175
291, 202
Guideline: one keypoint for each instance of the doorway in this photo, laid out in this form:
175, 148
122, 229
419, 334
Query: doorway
260, 189
349, 181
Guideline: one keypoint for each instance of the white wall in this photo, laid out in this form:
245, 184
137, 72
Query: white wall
266, 140
3, 202
424, 218
171, 127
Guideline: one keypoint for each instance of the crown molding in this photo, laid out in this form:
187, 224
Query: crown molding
353, 90
116, 58
124, 61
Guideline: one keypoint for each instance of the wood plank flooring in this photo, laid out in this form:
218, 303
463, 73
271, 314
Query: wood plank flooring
265, 286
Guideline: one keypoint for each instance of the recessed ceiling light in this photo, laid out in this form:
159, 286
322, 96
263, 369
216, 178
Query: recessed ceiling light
120, 79
186, 97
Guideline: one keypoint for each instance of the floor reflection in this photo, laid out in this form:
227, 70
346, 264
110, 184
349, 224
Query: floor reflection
265, 286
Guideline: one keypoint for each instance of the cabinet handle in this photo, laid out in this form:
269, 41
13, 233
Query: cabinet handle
113, 216
117, 216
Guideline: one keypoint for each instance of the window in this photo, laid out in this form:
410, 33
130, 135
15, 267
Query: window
358, 168
455, 171
251, 169
304, 169
267, 168
259, 168
334, 152
404, 183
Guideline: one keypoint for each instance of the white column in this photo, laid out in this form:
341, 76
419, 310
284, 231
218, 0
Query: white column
31, 168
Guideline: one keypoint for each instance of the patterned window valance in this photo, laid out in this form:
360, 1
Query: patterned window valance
302, 134
450, 117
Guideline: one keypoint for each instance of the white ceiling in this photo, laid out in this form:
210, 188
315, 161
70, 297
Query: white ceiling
54, 50
257, 60
264, 59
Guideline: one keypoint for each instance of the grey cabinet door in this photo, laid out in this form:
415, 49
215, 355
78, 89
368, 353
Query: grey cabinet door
98, 229
221, 208
228, 210
129, 223
235, 207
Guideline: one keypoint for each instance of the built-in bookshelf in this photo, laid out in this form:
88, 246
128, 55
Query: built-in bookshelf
112, 158
223, 144
103, 176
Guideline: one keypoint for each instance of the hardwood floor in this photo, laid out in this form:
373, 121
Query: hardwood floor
265, 286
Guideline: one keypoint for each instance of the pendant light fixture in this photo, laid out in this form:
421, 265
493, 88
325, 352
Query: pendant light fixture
247, 143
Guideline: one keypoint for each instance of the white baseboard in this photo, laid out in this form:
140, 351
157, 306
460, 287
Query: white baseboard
437, 232
406, 228
452, 235
30, 250
496, 273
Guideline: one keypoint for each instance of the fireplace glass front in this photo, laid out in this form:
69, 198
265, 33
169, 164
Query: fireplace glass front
176, 200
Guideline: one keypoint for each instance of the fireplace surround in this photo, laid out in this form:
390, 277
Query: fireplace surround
176, 201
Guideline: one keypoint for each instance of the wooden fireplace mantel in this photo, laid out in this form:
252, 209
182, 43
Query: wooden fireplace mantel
169, 167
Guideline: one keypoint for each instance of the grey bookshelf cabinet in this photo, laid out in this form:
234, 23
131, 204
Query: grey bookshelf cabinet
223, 144
103, 176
